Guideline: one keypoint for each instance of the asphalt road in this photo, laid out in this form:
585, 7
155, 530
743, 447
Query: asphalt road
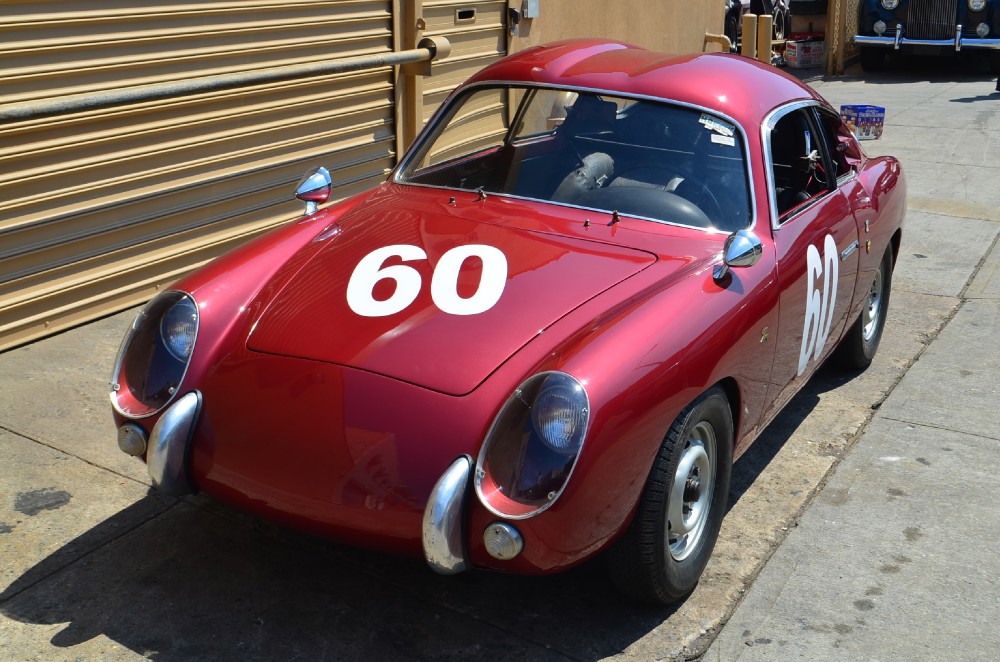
95, 566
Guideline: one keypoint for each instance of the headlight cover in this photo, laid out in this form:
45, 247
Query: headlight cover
155, 355
977, 5
890, 4
533, 446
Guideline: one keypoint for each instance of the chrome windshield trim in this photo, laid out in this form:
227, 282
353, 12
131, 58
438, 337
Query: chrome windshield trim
432, 125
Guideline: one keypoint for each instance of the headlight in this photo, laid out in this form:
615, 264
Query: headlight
178, 328
890, 4
154, 355
533, 445
977, 5
559, 416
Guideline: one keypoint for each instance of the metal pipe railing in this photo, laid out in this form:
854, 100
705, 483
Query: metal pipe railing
430, 48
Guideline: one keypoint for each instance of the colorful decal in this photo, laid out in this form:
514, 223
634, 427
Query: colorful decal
819, 302
444, 282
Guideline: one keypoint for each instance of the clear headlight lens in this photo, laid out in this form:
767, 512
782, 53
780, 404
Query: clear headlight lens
559, 414
154, 355
533, 445
178, 328
890, 4
977, 5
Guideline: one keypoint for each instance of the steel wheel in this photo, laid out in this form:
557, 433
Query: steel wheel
664, 550
860, 343
691, 493
871, 315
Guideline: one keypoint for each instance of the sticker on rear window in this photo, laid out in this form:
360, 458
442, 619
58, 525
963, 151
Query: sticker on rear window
717, 125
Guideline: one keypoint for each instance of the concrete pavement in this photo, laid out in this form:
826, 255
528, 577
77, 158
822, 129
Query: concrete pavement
896, 558
94, 566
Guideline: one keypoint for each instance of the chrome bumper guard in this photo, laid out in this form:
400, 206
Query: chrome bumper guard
896, 40
167, 458
443, 534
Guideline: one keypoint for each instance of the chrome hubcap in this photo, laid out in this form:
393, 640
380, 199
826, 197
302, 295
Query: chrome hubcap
690, 498
870, 323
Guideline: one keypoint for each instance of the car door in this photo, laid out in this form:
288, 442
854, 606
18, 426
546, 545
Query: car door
816, 242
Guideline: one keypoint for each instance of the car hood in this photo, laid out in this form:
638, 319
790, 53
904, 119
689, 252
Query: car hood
446, 333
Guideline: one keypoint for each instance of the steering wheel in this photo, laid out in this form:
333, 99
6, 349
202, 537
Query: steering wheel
702, 196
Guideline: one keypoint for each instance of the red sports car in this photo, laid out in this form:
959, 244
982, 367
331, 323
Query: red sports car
595, 277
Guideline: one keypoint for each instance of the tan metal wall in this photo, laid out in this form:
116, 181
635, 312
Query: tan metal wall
672, 27
100, 209
475, 43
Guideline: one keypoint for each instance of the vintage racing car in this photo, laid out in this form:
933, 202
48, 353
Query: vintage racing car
595, 277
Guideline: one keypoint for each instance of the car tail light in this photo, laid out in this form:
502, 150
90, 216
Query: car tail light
533, 445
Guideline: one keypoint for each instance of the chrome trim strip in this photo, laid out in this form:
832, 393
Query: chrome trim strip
169, 442
442, 531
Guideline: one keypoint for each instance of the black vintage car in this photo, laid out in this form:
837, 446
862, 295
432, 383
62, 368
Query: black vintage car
948, 25
778, 9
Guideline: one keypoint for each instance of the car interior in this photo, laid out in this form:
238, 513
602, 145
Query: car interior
649, 160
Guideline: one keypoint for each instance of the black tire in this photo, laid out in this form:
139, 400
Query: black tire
859, 345
650, 562
780, 28
732, 31
872, 58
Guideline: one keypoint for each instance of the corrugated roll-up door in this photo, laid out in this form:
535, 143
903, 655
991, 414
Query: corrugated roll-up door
100, 209
478, 37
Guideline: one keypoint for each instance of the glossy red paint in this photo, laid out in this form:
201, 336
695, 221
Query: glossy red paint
339, 424
547, 275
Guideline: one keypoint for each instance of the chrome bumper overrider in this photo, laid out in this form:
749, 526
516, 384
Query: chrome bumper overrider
443, 537
167, 457
896, 40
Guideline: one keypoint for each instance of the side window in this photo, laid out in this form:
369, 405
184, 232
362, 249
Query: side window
799, 161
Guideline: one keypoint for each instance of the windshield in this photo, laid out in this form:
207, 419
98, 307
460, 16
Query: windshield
652, 160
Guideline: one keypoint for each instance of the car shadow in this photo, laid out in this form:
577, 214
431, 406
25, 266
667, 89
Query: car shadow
748, 466
198, 580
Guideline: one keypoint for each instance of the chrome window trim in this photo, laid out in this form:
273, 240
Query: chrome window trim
766, 128
432, 125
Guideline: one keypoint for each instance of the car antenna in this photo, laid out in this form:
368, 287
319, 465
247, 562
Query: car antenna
615, 218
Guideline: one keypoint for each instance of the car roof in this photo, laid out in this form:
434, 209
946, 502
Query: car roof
737, 86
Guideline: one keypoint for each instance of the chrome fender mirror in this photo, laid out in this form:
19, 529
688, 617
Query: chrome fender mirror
742, 249
314, 189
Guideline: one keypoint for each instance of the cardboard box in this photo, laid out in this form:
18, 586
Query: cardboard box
866, 122
804, 50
